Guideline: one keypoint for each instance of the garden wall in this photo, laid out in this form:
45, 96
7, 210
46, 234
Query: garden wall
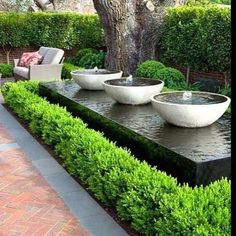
222, 78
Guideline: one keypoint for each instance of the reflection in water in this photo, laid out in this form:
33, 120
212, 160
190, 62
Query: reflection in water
205, 143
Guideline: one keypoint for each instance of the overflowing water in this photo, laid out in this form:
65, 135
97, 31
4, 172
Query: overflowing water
211, 144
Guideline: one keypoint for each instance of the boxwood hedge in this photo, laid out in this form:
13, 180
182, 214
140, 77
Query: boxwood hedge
152, 201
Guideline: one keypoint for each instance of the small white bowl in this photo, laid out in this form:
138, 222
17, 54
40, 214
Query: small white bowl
191, 115
135, 94
92, 79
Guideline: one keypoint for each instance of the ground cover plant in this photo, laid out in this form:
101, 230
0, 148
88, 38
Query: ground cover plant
151, 200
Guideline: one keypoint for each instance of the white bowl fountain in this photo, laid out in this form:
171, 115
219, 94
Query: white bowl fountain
92, 79
133, 91
190, 109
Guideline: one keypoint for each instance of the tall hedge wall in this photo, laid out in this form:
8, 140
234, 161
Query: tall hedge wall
197, 36
62, 30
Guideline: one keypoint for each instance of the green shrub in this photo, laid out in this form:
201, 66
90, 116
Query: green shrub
81, 53
67, 68
148, 68
225, 90
150, 199
198, 37
207, 2
196, 211
91, 60
198, 2
171, 77
6, 70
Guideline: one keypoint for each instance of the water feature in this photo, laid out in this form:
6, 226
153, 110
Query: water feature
132, 91
92, 79
197, 156
129, 79
187, 95
190, 109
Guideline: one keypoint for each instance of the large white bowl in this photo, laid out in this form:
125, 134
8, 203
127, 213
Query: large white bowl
92, 79
191, 115
133, 95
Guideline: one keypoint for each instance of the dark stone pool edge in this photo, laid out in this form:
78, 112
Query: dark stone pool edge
186, 170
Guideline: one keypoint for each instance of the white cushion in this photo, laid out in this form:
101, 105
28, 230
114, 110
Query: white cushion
43, 51
21, 71
53, 56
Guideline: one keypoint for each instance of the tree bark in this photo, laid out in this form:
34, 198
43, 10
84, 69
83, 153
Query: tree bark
132, 30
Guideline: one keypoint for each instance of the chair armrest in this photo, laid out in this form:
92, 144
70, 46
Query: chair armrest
16, 62
45, 72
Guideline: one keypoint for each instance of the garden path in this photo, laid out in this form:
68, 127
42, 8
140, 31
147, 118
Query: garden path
37, 196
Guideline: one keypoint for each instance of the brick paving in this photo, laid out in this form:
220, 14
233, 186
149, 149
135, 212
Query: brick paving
28, 205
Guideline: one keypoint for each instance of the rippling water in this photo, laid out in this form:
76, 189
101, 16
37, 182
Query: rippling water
196, 99
199, 144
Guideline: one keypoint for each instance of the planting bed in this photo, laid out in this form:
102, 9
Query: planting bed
197, 156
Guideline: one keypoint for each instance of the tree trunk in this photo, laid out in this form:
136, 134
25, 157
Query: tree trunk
132, 30
7, 50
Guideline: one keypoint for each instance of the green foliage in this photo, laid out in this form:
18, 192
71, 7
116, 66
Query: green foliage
198, 2
196, 211
6, 70
150, 199
81, 53
62, 30
226, 2
198, 37
90, 60
207, 2
170, 76
225, 90
67, 68
148, 68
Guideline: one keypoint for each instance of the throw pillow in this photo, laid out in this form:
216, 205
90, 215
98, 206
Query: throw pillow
30, 58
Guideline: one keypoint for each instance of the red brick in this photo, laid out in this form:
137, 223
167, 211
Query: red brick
28, 205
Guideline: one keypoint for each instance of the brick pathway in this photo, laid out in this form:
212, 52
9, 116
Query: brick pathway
28, 205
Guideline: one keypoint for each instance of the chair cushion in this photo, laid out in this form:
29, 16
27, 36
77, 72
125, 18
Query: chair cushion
30, 58
53, 56
43, 51
22, 71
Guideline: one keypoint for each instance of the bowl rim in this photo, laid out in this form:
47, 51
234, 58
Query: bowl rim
75, 72
123, 78
153, 100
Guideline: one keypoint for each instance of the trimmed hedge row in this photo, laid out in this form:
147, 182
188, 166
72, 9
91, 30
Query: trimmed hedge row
199, 37
62, 30
152, 201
